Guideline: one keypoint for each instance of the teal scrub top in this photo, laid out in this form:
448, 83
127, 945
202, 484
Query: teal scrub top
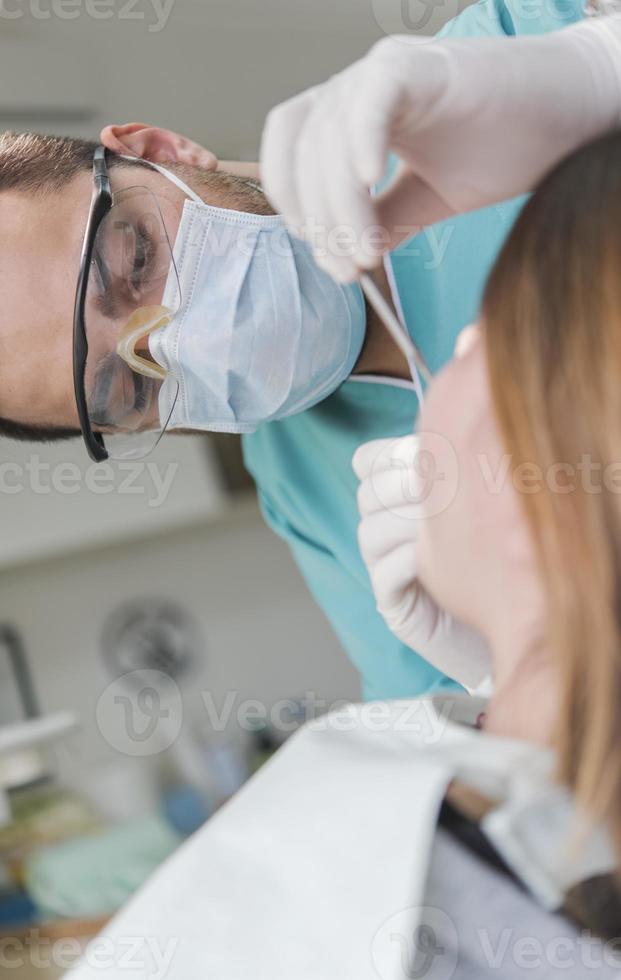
302, 465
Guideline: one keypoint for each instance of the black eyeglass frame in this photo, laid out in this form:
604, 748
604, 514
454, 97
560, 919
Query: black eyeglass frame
101, 204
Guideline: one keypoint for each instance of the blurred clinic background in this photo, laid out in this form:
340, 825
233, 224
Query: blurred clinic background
156, 640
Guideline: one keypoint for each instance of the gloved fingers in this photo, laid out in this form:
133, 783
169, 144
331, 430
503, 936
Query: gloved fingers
381, 533
378, 454
337, 211
323, 150
401, 486
459, 651
392, 85
311, 188
380, 96
409, 205
412, 614
351, 223
370, 96
368, 128
278, 153
393, 579
394, 478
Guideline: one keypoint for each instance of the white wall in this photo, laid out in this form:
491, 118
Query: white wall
212, 69
56, 501
262, 635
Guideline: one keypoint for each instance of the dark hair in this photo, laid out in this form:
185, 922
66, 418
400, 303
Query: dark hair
35, 164
35, 433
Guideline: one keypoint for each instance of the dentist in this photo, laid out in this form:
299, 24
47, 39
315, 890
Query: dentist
302, 463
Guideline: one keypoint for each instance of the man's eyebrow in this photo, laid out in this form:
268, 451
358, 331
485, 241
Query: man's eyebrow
102, 385
102, 388
104, 301
105, 304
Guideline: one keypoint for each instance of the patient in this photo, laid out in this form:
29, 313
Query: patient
529, 553
410, 842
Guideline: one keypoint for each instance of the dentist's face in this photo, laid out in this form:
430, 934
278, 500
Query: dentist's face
40, 250
471, 548
39, 261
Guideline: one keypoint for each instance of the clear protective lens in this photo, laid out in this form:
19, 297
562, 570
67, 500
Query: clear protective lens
132, 290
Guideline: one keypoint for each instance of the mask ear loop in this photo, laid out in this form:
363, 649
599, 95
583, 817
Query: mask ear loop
140, 324
181, 184
395, 324
399, 334
417, 383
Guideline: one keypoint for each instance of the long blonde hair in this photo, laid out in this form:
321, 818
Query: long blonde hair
552, 310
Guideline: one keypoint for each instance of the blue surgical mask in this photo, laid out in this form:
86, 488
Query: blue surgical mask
261, 333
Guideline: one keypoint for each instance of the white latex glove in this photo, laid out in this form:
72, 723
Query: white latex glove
390, 503
474, 121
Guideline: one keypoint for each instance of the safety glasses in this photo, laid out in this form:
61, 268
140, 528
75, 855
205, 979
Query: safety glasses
127, 288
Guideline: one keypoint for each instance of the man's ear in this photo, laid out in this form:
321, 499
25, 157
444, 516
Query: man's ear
157, 145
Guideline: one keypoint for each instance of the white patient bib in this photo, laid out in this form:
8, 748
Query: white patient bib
300, 875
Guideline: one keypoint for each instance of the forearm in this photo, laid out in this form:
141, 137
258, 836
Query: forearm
517, 106
474, 121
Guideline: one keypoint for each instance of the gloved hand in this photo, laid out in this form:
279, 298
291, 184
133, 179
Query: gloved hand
391, 511
474, 121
